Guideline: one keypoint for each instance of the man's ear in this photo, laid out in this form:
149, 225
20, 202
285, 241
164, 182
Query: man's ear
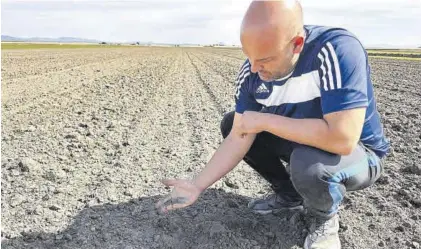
298, 42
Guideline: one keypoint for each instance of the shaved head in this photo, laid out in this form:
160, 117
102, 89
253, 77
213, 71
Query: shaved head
273, 29
271, 18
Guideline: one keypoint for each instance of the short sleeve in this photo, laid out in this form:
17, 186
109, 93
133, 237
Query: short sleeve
344, 75
244, 99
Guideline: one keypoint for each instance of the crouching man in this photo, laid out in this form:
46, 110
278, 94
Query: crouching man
304, 96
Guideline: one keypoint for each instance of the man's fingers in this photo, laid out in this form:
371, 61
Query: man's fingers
176, 202
169, 182
170, 203
175, 206
182, 195
179, 200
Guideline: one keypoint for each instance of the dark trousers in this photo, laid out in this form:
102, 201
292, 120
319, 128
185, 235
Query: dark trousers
318, 177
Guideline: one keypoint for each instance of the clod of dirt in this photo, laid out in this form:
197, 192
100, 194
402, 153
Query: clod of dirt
343, 226
230, 184
404, 192
232, 204
15, 172
38, 210
406, 203
16, 200
416, 202
384, 180
54, 175
68, 236
54, 207
31, 128
414, 169
27, 165
407, 224
26, 234
71, 136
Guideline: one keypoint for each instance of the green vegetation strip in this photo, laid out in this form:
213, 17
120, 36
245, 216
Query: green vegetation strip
395, 58
395, 51
395, 55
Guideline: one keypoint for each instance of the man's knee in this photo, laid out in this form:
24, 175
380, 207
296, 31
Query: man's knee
307, 166
313, 181
226, 123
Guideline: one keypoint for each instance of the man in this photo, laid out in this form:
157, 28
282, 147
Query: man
304, 96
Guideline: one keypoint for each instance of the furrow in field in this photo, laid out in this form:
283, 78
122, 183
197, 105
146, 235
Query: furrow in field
83, 154
77, 145
26, 63
24, 93
212, 95
221, 92
217, 85
57, 67
226, 67
237, 55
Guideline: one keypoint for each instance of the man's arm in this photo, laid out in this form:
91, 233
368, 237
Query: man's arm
338, 132
236, 144
344, 79
227, 156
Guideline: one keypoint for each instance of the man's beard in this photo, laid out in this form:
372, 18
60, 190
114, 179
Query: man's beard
267, 77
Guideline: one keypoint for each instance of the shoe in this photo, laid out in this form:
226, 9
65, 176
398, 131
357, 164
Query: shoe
323, 233
274, 202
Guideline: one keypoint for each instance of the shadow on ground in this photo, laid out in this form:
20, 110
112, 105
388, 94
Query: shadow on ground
218, 220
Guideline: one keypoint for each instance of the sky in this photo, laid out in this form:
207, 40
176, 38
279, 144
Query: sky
375, 22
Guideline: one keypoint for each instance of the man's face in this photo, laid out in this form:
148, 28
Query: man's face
271, 60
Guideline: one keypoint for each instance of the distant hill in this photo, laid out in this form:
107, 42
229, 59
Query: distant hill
9, 38
43, 39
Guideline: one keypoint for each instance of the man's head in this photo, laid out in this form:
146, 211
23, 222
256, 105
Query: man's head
272, 37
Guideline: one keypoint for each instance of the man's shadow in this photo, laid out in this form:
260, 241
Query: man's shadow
217, 220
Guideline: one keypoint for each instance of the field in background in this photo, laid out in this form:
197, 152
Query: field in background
26, 45
400, 54
88, 133
404, 54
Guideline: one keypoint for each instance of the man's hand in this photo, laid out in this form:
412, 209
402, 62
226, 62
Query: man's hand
183, 194
250, 123
337, 132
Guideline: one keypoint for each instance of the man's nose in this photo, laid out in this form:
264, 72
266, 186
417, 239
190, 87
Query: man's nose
254, 67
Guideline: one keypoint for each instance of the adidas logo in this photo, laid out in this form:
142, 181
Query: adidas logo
262, 89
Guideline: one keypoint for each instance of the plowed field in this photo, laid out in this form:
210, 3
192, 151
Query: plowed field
88, 133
